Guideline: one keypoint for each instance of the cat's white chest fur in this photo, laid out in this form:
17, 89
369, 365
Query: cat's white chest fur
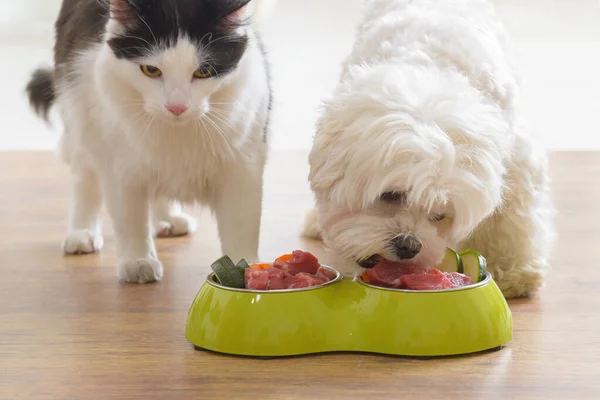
189, 163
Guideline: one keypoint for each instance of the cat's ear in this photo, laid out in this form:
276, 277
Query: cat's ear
125, 12
236, 16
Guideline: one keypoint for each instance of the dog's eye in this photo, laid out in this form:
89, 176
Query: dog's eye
438, 217
393, 197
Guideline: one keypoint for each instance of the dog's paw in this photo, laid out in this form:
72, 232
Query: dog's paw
142, 270
82, 242
525, 281
175, 225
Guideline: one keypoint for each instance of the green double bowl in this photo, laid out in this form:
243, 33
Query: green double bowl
349, 315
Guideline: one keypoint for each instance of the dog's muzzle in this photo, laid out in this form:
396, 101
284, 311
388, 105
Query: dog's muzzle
406, 247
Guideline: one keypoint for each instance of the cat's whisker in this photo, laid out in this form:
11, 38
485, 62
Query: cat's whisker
208, 34
226, 112
222, 111
223, 121
138, 38
138, 118
154, 125
207, 54
221, 114
143, 49
219, 131
128, 106
207, 133
144, 131
150, 29
152, 129
216, 127
222, 103
212, 66
233, 37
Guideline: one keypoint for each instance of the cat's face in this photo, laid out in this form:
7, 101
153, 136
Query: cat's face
174, 84
174, 55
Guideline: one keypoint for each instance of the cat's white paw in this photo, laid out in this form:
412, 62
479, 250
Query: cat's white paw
82, 242
142, 270
175, 225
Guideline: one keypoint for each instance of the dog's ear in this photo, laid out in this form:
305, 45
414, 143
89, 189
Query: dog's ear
472, 205
125, 12
324, 171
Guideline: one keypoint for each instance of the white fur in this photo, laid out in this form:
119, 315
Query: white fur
428, 103
123, 145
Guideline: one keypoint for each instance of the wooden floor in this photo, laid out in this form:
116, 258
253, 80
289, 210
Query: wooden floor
70, 330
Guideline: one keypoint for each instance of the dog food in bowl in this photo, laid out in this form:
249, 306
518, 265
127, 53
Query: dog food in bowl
400, 276
455, 271
291, 271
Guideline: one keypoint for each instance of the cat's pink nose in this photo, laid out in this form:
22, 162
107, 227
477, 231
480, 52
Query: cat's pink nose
177, 109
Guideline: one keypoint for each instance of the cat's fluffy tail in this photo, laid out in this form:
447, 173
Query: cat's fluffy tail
40, 91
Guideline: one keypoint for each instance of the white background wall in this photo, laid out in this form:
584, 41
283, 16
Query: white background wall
557, 41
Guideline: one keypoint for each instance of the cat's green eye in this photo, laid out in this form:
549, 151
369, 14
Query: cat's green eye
151, 71
204, 72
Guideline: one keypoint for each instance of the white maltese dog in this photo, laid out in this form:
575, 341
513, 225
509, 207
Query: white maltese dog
422, 147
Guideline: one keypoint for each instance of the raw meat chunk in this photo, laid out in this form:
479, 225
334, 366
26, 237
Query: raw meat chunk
406, 276
300, 262
257, 280
298, 270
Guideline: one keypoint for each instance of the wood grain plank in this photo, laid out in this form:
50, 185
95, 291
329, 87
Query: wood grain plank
69, 330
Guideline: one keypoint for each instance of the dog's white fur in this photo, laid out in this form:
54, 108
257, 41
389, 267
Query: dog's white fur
125, 148
428, 104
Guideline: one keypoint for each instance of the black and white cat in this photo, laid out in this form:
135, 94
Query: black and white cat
163, 102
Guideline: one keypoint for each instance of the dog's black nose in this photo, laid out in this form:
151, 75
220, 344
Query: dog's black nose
407, 247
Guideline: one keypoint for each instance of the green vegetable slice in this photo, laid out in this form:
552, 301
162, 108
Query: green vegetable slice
474, 265
451, 263
243, 264
228, 274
